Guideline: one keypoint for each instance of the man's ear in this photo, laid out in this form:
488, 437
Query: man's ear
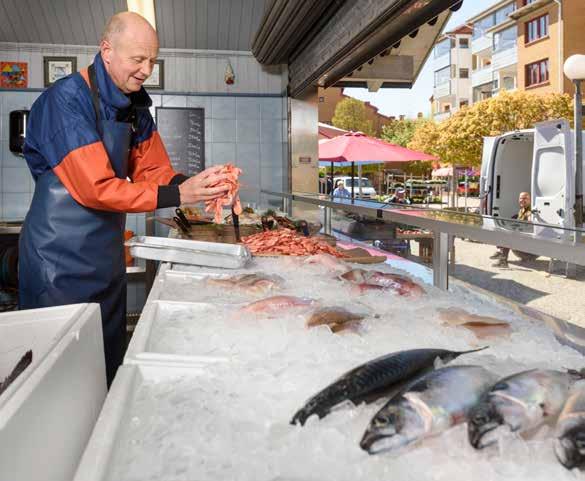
106, 51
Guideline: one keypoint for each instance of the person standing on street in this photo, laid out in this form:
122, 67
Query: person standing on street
95, 154
525, 214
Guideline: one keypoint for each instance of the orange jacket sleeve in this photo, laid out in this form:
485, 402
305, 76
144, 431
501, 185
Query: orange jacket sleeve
150, 162
87, 174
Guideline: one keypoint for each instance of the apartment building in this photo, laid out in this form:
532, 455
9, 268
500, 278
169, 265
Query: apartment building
494, 51
452, 70
515, 44
549, 31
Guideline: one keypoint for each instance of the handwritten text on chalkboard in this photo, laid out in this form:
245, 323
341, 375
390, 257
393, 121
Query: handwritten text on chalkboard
183, 133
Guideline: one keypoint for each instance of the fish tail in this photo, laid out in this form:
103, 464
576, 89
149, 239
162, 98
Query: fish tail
576, 374
300, 417
460, 353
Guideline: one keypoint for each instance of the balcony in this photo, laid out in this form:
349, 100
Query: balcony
442, 90
504, 58
442, 61
440, 116
482, 45
483, 76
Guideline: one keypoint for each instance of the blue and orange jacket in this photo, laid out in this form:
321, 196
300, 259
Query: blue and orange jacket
62, 135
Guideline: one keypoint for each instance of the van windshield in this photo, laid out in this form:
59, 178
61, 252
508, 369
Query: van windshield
356, 182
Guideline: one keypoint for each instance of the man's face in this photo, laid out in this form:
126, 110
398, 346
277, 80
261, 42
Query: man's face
524, 200
130, 58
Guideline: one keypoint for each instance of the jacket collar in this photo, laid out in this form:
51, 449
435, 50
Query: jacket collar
112, 95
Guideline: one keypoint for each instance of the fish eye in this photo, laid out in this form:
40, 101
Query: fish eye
480, 418
501, 386
381, 420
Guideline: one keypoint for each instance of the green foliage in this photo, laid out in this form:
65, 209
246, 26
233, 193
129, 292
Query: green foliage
459, 139
350, 114
399, 132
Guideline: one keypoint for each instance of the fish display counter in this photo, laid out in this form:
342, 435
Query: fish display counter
312, 368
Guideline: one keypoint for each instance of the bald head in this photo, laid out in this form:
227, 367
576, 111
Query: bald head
129, 48
126, 22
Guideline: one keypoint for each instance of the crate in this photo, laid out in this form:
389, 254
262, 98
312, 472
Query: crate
47, 414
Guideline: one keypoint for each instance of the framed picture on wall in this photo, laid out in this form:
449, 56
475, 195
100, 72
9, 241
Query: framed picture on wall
56, 68
157, 78
13, 75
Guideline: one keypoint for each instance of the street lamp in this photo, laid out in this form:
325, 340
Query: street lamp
574, 69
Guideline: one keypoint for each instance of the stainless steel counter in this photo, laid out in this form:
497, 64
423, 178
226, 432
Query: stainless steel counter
545, 240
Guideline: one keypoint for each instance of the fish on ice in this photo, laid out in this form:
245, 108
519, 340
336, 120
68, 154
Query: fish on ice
520, 403
377, 378
436, 402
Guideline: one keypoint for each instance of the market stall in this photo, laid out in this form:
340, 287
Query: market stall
214, 375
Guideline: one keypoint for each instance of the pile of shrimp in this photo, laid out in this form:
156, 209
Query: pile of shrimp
230, 197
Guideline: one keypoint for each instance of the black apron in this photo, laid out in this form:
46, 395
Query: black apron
70, 254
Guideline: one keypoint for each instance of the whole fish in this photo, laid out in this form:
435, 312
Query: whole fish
277, 304
379, 377
328, 261
375, 280
519, 403
337, 318
569, 443
437, 401
249, 283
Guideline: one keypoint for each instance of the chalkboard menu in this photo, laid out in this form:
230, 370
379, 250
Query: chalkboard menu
183, 133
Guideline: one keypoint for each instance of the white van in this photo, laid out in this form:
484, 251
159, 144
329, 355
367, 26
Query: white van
539, 161
368, 191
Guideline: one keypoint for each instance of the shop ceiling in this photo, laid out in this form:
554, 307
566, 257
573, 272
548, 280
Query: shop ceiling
361, 43
182, 24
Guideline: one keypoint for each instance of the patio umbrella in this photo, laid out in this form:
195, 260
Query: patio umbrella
356, 147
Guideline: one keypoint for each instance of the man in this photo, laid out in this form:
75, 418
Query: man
341, 191
524, 214
86, 136
399, 197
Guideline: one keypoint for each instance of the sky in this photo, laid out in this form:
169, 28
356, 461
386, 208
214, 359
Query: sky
411, 101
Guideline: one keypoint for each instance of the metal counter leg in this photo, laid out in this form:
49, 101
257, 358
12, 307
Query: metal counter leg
441, 260
327, 212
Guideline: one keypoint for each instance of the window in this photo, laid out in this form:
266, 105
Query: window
499, 16
536, 28
463, 73
505, 39
482, 25
536, 73
447, 108
527, 2
502, 13
442, 48
442, 76
463, 103
463, 43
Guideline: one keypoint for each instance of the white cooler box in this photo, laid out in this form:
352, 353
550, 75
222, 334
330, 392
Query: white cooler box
47, 414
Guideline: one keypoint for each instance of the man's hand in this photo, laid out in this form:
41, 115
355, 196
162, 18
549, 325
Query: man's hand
198, 188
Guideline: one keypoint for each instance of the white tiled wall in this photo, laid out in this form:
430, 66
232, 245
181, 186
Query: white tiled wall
16, 184
248, 131
245, 124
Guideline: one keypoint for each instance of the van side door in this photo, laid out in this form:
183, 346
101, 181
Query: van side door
553, 177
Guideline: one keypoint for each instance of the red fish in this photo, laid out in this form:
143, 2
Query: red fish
375, 280
278, 303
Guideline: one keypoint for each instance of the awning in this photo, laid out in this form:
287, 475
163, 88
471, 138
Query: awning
355, 147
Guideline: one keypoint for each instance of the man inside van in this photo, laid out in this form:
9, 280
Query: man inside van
524, 213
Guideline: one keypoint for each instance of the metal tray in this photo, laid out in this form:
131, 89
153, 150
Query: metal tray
182, 251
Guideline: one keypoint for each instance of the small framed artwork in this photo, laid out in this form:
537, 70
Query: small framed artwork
56, 68
13, 75
157, 77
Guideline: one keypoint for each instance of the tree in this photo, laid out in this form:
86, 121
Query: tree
459, 139
350, 114
399, 132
